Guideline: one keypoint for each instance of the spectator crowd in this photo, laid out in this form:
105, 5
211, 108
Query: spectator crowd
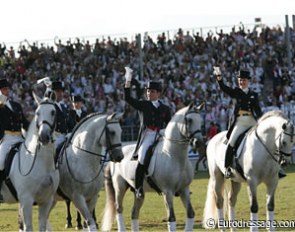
184, 64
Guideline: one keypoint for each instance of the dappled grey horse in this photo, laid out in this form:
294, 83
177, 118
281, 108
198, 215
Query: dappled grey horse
259, 156
33, 172
170, 169
81, 164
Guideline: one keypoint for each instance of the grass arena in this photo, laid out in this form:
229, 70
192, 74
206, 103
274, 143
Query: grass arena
153, 213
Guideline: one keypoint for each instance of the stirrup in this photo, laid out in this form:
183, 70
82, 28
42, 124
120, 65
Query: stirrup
139, 193
228, 173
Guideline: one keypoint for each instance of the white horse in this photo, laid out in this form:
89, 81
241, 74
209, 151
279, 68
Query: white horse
170, 169
33, 172
81, 164
259, 156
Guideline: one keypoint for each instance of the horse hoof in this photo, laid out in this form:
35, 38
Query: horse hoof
68, 226
79, 227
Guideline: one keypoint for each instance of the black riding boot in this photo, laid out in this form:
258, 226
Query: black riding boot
228, 161
2, 177
139, 177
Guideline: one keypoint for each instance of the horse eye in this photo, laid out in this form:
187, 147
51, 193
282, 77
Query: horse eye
284, 126
189, 120
112, 133
53, 112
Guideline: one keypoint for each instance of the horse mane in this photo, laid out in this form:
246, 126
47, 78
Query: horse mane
77, 126
276, 113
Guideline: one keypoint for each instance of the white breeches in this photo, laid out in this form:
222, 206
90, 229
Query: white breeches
7, 142
241, 125
59, 139
148, 140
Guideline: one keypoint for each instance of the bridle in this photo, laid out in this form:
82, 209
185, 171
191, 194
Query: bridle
38, 125
278, 156
51, 126
109, 148
189, 136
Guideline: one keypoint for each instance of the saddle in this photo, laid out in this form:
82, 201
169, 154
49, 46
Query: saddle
7, 166
236, 156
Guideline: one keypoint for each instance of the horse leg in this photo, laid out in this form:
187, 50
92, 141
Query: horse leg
168, 198
26, 211
44, 210
271, 188
138, 202
233, 194
78, 220
252, 192
190, 213
219, 189
83, 208
69, 216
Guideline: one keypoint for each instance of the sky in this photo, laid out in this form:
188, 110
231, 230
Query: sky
42, 20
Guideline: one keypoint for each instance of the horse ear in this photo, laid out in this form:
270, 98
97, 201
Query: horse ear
52, 96
110, 117
190, 105
36, 98
200, 107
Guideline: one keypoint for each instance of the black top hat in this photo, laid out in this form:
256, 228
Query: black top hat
154, 85
244, 74
77, 98
58, 85
4, 83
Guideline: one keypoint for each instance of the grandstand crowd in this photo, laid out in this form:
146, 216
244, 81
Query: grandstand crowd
184, 64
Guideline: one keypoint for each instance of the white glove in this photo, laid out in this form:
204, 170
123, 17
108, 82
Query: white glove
3, 98
128, 73
45, 80
216, 71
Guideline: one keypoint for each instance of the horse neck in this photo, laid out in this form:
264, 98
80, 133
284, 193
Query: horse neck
90, 139
174, 141
31, 140
269, 130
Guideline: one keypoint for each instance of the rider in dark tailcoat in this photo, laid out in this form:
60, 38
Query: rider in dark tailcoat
155, 116
12, 121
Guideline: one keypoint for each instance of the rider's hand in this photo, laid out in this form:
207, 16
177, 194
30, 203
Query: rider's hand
128, 73
217, 73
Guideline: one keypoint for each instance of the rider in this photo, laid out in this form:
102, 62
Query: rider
155, 116
12, 122
77, 112
64, 123
247, 111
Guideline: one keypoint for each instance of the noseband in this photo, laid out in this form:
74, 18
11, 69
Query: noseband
110, 146
51, 126
190, 135
278, 153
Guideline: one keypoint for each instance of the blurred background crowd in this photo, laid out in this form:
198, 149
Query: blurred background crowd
183, 63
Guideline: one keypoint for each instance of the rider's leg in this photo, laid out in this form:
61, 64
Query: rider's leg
139, 177
228, 161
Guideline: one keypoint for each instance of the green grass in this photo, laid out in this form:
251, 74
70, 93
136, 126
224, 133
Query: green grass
153, 213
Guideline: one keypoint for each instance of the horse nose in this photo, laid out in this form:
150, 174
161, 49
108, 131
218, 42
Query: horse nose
44, 137
117, 155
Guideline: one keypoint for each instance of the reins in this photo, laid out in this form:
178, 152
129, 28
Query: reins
102, 161
38, 124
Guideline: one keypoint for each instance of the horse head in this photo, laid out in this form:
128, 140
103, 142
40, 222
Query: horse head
192, 125
45, 118
113, 132
285, 141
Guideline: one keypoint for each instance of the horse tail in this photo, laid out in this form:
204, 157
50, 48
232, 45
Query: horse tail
109, 210
210, 210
